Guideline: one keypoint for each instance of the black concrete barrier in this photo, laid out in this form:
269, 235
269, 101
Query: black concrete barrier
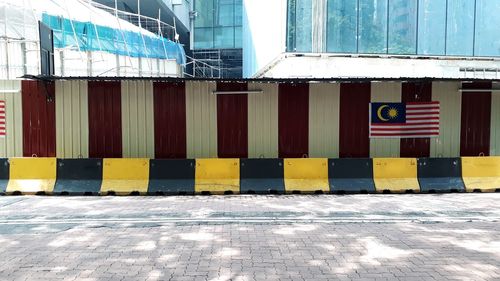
262, 176
171, 176
440, 175
78, 176
351, 175
4, 174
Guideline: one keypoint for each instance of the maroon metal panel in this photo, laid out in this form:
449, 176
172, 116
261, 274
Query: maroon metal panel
293, 123
232, 121
170, 120
105, 119
354, 141
476, 120
39, 118
416, 92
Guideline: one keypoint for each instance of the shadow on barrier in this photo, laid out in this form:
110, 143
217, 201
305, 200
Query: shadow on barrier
4, 174
306, 175
350, 176
78, 176
125, 176
440, 175
171, 177
395, 175
481, 174
217, 176
262, 176
31, 176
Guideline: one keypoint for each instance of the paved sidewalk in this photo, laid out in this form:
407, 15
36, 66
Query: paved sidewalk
362, 237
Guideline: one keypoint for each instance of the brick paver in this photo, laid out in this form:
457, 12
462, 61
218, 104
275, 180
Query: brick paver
414, 237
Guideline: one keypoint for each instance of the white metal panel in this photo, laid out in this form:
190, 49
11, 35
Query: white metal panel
385, 92
12, 144
263, 121
495, 122
324, 109
137, 119
201, 119
448, 142
72, 119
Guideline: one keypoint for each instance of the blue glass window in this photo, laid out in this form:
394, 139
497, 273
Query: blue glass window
487, 42
460, 28
299, 37
373, 26
224, 37
402, 26
203, 38
431, 27
342, 27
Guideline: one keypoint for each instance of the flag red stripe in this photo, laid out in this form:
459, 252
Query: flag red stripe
408, 109
424, 129
423, 102
404, 124
403, 134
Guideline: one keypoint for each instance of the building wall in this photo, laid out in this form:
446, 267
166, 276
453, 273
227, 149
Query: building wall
182, 120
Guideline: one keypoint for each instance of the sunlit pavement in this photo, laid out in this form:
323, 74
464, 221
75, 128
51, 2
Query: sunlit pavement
361, 237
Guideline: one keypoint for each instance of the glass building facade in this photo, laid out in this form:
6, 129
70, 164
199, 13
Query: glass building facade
218, 24
400, 27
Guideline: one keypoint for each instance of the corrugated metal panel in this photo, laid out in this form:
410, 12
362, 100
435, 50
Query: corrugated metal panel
448, 142
263, 121
170, 120
105, 124
72, 119
476, 118
354, 114
495, 122
416, 92
324, 106
12, 144
201, 120
293, 110
232, 121
137, 119
39, 124
385, 92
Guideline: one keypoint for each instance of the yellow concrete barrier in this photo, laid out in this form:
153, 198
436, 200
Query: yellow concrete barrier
395, 174
32, 175
124, 176
217, 176
481, 173
306, 175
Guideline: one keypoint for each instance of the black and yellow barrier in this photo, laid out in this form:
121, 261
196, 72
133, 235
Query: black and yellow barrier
440, 175
78, 176
125, 176
247, 176
217, 176
351, 175
262, 176
306, 175
31, 176
4, 174
481, 174
171, 177
395, 175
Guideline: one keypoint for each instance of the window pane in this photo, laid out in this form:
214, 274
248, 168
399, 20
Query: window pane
205, 10
238, 13
203, 38
402, 26
373, 26
290, 26
238, 41
224, 37
487, 28
431, 27
342, 26
224, 13
303, 26
460, 29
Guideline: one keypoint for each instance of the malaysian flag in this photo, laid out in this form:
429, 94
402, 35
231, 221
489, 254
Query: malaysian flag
404, 120
2, 119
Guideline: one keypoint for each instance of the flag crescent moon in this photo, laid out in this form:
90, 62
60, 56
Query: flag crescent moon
379, 113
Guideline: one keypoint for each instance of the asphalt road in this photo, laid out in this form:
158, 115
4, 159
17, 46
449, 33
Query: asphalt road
325, 237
